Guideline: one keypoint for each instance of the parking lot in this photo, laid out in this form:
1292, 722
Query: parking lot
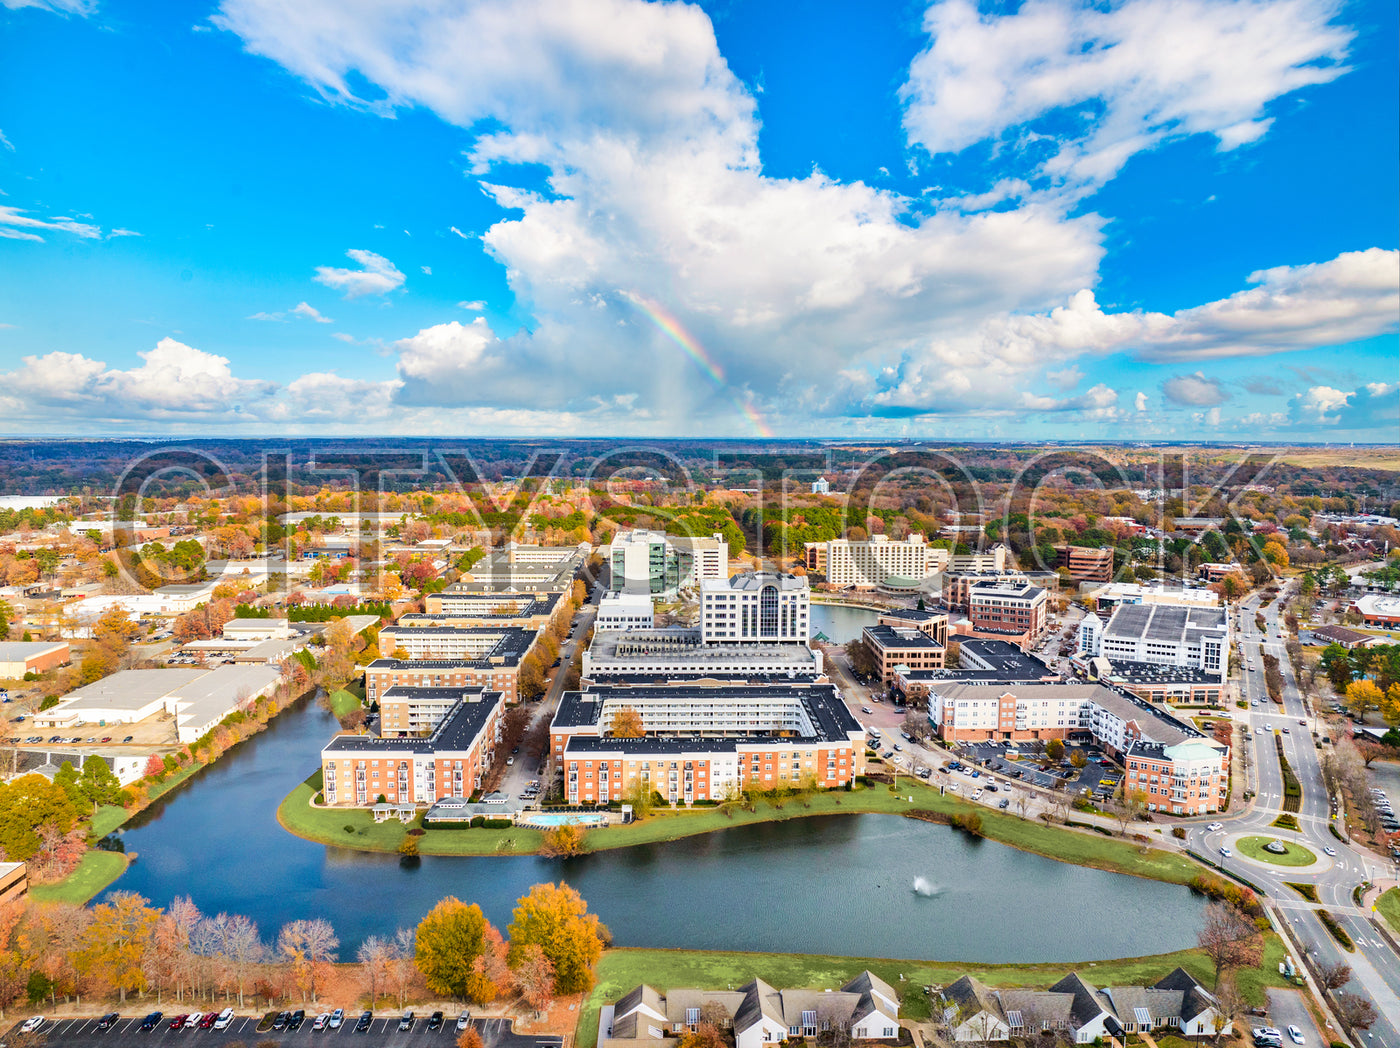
384, 1030
1095, 777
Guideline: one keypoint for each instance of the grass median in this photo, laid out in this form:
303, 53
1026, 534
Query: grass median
92, 875
352, 828
621, 970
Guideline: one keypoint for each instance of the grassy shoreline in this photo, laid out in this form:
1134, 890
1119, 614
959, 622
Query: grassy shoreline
620, 970
94, 873
351, 828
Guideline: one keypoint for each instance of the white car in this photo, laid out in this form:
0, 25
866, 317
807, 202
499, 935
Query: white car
952, 787
1295, 1035
1226, 852
192, 1020
337, 1017
1215, 826
463, 1021
1330, 851
33, 1024
976, 794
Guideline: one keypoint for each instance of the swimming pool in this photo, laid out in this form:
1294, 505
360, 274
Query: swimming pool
546, 819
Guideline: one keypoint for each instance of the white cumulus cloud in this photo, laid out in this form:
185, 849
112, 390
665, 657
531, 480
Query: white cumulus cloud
376, 275
1125, 76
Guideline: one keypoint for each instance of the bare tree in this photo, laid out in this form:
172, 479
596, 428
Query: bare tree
1230, 939
403, 966
1335, 976
308, 944
375, 955
1355, 1011
1023, 801
242, 949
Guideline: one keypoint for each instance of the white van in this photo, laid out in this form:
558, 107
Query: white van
874, 733
225, 1017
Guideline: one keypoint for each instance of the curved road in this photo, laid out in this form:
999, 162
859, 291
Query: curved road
1375, 967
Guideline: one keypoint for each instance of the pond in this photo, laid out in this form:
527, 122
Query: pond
840, 623
857, 884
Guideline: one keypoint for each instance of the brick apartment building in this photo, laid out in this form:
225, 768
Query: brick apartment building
383, 674
899, 646
705, 741
358, 770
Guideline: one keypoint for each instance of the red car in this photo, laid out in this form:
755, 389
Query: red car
178, 1021
207, 1022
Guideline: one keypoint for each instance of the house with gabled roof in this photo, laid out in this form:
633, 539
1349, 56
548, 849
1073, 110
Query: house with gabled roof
759, 1014
974, 1012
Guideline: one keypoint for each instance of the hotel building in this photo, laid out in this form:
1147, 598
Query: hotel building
875, 561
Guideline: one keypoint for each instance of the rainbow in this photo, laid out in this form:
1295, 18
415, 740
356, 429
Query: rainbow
671, 327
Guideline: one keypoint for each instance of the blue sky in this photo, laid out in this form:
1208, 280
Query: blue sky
1156, 219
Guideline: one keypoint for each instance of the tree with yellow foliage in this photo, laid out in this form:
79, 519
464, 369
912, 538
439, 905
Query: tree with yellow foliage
1276, 554
627, 724
555, 918
1361, 695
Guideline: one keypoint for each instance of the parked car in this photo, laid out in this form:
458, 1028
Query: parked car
319, 1023
225, 1017
30, 1025
435, 1021
108, 1021
298, 1017
406, 1023
463, 1021
193, 1019
337, 1017
1005, 802
151, 1021
280, 1023
1295, 1035
179, 1021
362, 1024
207, 1023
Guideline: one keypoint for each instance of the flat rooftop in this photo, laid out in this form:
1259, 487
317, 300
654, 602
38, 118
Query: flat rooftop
455, 732
1166, 623
889, 637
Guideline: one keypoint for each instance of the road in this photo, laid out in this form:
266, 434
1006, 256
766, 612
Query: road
127, 1033
1375, 967
527, 764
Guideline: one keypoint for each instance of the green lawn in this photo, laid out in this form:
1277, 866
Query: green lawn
621, 970
352, 828
345, 700
1296, 855
108, 818
1080, 849
95, 872
1389, 906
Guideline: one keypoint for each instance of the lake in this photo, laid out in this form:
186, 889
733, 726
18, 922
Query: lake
830, 884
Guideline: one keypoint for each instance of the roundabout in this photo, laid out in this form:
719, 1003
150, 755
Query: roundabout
1275, 852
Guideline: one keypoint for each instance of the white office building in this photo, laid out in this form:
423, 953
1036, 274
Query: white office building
661, 565
1089, 639
625, 611
1169, 635
755, 606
